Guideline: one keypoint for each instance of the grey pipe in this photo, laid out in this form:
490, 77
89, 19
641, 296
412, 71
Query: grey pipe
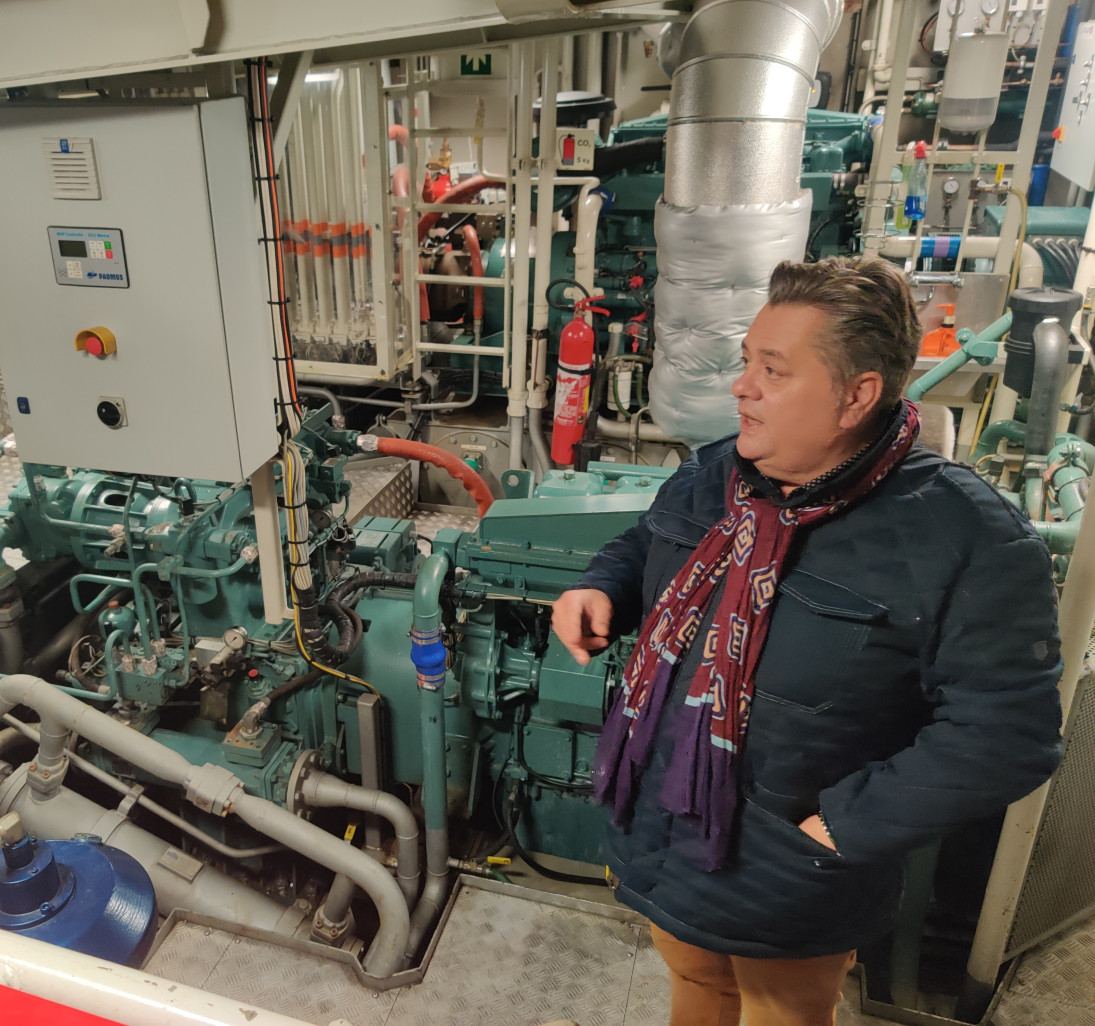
459, 404
215, 789
540, 451
516, 438
207, 892
21, 729
741, 90
11, 647
1050, 372
323, 393
428, 654
323, 790
385, 954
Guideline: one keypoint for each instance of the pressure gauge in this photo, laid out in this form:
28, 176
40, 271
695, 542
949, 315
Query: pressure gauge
951, 186
235, 638
989, 7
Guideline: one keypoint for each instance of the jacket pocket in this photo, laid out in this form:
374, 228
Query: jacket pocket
818, 628
674, 540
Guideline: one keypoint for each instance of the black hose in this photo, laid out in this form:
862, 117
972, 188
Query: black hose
565, 307
291, 685
510, 817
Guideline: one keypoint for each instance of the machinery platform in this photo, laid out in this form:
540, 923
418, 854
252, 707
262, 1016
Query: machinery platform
511, 956
506, 956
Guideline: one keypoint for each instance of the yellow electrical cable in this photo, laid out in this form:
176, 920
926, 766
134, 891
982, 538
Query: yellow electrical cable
985, 406
290, 520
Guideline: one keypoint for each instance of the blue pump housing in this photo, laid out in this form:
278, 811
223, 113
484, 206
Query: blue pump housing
79, 894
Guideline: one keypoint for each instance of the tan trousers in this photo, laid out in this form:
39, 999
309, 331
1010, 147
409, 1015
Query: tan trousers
710, 989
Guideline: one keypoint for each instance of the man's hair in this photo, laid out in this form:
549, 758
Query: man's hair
875, 326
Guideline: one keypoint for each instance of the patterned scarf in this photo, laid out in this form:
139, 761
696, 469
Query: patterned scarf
747, 549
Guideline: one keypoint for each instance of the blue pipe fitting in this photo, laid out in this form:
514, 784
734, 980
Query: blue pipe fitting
429, 656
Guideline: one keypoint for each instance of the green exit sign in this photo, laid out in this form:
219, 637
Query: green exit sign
475, 63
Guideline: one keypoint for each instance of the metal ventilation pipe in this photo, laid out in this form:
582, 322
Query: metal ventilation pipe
737, 110
732, 208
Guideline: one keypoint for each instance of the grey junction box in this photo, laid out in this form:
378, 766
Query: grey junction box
166, 266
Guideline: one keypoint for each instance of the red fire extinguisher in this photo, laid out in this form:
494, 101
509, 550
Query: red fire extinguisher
572, 381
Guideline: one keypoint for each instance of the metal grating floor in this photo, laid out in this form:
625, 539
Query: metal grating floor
502, 960
1054, 984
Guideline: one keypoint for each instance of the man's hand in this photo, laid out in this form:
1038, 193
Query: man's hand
814, 827
582, 619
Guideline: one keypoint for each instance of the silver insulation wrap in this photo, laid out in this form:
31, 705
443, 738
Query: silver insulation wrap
740, 90
713, 268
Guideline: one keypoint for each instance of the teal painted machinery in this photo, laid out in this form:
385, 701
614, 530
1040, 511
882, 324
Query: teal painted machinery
836, 150
148, 563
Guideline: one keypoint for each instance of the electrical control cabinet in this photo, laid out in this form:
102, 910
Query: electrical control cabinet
1074, 151
137, 334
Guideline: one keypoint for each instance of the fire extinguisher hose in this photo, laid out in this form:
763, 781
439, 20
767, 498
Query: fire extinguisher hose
453, 465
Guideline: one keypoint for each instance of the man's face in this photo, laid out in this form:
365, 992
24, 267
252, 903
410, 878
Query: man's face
795, 421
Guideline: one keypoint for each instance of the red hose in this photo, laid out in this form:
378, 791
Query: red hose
401, 184
471, 243
459, 193
472, 482
400, 134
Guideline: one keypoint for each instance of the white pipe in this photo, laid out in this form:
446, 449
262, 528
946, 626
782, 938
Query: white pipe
359, 259
545, 223
975, 246
215, 789
344, 172
585, 234
522, 203
316, 172
305, 262
617, 429
545, 184
336, 216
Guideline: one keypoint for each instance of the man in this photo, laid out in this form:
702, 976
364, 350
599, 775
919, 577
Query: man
848, 647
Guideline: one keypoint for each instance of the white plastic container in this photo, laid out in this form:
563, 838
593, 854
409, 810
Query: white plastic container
971, 84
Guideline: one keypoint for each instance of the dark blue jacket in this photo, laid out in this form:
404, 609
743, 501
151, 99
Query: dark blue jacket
907, 685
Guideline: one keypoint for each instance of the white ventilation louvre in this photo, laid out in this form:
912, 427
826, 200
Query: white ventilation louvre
72, 170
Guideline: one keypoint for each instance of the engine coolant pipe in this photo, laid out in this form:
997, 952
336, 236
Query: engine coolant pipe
429, 655
321, 790
475, 486
213, 789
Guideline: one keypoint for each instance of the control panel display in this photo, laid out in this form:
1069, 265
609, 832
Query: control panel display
89, 256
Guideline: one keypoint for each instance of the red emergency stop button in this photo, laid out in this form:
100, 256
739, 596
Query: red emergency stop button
98, 341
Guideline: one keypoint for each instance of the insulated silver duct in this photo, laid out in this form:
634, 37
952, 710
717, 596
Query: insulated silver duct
737, 110
732, 208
